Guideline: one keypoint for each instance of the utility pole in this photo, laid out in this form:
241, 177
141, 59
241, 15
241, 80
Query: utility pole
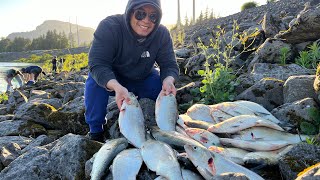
77, 31
179, 19
70, 35
194, 12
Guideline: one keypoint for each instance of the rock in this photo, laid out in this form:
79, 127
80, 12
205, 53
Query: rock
267, 92
62, 159
269, 51
295, 112
6, 117
298, 87
297, 159
39, 141
305, 27
265, 70
9, 153
20, 127
312, 172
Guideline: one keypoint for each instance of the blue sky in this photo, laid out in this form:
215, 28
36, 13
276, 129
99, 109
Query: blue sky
26, 15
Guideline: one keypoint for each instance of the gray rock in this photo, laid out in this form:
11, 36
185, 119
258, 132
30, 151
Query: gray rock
304, 28
9, 153
297, 159
269, 51
267, 92
34, 94
6, 117
20, 140
15, 100
265, 70
298, 87
61, 159
295, 112
70, 117
20, 127
39, 141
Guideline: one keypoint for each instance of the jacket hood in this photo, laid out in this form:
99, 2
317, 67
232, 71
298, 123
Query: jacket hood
136, 3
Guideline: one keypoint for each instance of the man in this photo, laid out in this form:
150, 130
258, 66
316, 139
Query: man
10, 74
54, 64
122, 58
31, 73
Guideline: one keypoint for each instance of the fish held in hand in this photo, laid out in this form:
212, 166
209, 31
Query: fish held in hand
131, 122
166, 112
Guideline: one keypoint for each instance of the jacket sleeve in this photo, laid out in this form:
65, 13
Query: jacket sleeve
166, 58
102, 53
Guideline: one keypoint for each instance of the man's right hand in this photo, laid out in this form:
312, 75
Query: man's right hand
121, 92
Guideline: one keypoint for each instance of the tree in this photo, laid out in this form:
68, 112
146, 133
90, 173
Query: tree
19, 44
186, 20
206, 14
5, 44
249, 5
200, 18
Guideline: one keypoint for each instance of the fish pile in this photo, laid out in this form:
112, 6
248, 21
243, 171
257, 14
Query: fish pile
206, 141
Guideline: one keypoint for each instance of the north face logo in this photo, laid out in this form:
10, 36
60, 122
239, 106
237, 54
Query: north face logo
145, 54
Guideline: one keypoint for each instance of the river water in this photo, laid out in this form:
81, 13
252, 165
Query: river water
4, 66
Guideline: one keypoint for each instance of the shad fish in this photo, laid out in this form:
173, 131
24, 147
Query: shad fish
254, 145
238, 123
233, 154
200, 112
105, 155
232, 109
258, 109
126, 164
211, 163
131, 122
166, 112
218, 115
186, 175
265, 157
186, 123
267, 134
183, 118
205, 137
172, 138
161, 158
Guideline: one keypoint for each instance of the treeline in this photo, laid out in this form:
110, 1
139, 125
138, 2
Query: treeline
51, 40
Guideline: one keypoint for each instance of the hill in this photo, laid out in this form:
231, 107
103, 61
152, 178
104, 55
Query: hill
85, 33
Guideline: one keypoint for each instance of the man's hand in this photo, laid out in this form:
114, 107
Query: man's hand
121, 92
168, 86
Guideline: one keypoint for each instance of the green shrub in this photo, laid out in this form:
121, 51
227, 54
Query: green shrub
3, 97
283, 55
311, 58
249, 5
313, 127
219, 82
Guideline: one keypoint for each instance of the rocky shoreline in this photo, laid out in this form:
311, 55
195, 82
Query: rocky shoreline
43, 131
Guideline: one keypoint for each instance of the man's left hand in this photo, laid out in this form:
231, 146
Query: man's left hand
168, 86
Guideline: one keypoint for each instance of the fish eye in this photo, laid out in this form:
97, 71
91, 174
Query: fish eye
195, 147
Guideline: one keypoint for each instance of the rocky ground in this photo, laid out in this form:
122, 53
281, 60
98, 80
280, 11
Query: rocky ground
42, 127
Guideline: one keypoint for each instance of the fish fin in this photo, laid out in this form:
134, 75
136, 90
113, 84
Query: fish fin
261, 113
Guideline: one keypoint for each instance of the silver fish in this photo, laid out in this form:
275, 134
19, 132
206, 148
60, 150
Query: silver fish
160, 158
258, 109
172, 138
254, 145
233, 109
218, 115
200, 112
105, 155
186, 175
131, 122
166, 112
127, 164
238, 123
205, 137
233, 154
267, 134
211, 163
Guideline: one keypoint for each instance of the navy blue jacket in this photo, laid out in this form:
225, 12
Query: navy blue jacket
116, 51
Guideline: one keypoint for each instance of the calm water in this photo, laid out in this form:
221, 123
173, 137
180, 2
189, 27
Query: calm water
4, 66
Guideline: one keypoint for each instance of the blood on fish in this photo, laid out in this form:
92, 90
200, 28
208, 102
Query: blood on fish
211, 165
204, 139
252, 135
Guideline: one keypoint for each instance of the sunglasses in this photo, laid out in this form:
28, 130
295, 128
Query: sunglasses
141, 14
